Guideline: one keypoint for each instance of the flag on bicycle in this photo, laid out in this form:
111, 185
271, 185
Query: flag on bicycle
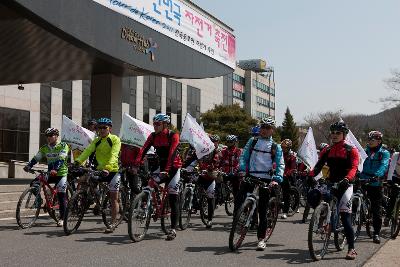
308, 151
196, 136
133, 131
363, 155
77, 137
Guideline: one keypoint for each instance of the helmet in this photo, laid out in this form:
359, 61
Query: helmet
92, 122
314, 197
104, 121
255, 131
162, 118
231, 138
375, 135
214, 137
339, 126
51, 132
287, 143
322, 146
267, 122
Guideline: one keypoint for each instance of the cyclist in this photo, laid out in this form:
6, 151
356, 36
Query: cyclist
392, 178
255, 131
106, 148
55, 153
290, 170
261, 158
229, 163
374, 169
342, 159
166, 144
92, 125
128, 156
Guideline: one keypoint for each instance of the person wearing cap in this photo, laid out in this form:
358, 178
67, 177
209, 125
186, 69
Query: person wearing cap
261, 158
55, 153
165, 143
374, 170
342, 159
106, 147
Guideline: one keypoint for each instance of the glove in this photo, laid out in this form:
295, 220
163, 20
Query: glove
27, 168
53, 173
163, 175
343, 185
373, 179
105, 173
77, 164
272, 184
311, 182
276, 179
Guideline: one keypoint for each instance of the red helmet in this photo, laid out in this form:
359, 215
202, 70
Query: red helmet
376, 135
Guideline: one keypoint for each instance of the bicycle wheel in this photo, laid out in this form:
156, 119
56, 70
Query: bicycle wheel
319, 232
356, 216
339, 236
139, 217
272, 216
395, 220
204, 208
185, 209
229, 200
166, 216
368, 218
106, 210
76, 209
294, 201
239, 226
28, 207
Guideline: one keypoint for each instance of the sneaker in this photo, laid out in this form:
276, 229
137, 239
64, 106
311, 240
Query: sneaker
60, 223
284, 216
376, 239
298, 211
96, 210
110, 229
351, 255
171, 235
261, 245
209, 224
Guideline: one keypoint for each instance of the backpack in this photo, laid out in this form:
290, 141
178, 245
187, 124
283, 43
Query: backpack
273, 148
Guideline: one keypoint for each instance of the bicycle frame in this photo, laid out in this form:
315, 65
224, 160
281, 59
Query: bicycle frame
153, 191
45, 187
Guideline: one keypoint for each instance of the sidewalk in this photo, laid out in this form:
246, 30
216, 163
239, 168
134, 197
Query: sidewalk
388, 255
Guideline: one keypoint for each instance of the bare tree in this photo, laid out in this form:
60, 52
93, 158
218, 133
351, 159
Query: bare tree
320, 124
393, 84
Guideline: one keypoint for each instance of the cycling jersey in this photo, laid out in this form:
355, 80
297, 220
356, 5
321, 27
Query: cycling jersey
55, 156
128, 155
229, 160
166, 146
210, 163
106, 151
342, 160
259, 162
290, 163
376, 164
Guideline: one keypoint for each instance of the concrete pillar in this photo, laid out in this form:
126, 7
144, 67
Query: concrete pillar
106, 97
56, 108
163, 95
184, 101
139, 98
77, 102
152, 113
34, 119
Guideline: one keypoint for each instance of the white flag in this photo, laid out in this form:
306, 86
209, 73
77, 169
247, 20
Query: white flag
196, 136
76, 136
363, 155
308, 150
134, 132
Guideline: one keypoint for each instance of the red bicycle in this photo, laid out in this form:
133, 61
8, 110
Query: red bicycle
152, 202
31, 200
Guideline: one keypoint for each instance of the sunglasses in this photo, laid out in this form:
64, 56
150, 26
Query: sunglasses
336, 132
372, 139
266, 127
157, 123
50, 135
102, 127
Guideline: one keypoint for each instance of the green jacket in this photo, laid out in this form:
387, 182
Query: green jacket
56, 158
106, 155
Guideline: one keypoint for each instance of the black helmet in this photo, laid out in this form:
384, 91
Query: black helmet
339, 126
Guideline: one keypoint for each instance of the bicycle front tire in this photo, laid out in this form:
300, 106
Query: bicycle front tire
239, 229
28, 207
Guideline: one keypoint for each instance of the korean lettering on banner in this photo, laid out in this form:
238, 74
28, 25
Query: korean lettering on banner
171, 9
74, 135
134, 132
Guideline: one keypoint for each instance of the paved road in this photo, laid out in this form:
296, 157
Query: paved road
46, 244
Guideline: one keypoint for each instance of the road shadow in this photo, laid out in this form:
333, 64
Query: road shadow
290, 256
9, 227
109, 239
225, 249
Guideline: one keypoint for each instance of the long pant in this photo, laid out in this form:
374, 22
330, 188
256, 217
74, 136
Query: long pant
286, 194
375, 195
348, 229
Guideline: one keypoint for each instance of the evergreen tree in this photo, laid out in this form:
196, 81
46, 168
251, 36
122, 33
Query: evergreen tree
225, 120
289, 130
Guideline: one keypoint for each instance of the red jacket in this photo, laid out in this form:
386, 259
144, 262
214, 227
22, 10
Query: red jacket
166, 145
342, 159
290, 163
229, 160
209, 163
128, 155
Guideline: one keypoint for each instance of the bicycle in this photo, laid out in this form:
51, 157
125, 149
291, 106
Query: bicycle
324, 221
294, 197
224, 194
186, 196
30, 202
243, 217
152, 202
395, 216
89, 191
361, 212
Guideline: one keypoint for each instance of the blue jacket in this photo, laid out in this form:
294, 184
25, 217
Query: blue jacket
265, 164
375, 165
